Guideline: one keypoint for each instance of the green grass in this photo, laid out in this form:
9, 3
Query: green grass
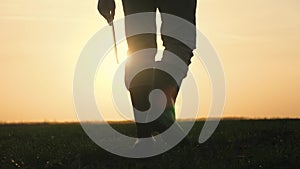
244, 144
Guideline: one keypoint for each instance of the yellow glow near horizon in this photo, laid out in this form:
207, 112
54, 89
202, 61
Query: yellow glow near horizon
258, 42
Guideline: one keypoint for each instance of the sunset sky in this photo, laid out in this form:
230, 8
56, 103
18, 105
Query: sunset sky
257, 41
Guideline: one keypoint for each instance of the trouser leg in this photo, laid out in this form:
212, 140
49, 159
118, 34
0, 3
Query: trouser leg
141, 85
169, 83
181, 46
186, 10
140, 41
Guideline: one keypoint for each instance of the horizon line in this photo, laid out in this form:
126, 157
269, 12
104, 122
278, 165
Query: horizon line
132, 122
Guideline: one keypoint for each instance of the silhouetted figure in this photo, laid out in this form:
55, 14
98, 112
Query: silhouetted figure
147, 80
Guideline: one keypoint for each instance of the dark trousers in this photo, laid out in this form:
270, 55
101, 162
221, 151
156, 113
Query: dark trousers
185, 9
158, 79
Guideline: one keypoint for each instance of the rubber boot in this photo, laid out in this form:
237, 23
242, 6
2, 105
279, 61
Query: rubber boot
140, 99
166, 83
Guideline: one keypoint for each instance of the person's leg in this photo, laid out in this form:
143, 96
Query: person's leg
186, 10
139, 94
141, 41
140, 85
173, 47
165, 82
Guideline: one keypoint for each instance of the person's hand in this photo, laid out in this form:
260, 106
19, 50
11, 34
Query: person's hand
107, 9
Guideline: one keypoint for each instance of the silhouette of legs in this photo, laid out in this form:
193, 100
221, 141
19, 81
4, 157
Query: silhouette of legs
146, 81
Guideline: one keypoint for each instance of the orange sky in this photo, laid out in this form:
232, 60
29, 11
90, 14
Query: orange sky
258, 43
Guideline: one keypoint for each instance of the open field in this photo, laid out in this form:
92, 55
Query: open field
244, 144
